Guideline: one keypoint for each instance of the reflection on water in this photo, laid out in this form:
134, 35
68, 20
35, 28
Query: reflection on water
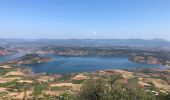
61, 64
86, 64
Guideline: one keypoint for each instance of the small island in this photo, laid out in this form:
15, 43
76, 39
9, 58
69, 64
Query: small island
32, 59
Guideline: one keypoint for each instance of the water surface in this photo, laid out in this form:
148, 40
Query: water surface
62, 64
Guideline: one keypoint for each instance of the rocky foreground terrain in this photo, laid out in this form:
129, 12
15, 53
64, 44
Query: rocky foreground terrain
22, 84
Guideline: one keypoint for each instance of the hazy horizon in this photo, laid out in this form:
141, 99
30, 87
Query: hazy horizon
29, 39
35, 38
89, 19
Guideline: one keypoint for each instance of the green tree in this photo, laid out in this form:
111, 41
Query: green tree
67, 96
39, 87
94, 90
113, 78
163, 96
100, 89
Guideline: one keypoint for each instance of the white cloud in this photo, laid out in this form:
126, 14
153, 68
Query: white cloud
94, 33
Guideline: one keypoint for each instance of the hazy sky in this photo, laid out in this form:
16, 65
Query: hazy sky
85, 19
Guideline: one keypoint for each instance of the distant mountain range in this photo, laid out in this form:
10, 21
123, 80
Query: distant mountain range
85, 42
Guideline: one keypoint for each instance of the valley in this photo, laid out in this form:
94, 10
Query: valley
84, 50
60, 72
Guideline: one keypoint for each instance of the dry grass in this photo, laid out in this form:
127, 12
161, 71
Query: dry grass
45, 79
12, 94
5, 66
20, 96
28, 93
5, 80
159, 83
25, 81
80, 77
14, 73
142, 82
53, 93
3, 89
73, 86
126, 74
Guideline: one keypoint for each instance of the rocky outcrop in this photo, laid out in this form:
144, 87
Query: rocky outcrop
32, 59
149, 59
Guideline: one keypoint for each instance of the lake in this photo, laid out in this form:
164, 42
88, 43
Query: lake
62, 64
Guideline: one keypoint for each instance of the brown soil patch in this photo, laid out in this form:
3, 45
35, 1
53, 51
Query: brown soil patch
5, 66
53, 93
20, 96
111, 71
45, 78
15, 73
126, 74
74, 86
25, 81
3, 89
62, 85
161, 84
142, 82
80, 77
123, 81
12, 94
5, 80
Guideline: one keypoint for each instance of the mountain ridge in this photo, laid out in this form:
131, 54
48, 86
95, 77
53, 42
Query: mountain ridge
86, 42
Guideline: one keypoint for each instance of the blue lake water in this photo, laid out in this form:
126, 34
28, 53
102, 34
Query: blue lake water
62, 64
10, 57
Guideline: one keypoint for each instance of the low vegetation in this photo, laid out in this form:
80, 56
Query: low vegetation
142, 84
